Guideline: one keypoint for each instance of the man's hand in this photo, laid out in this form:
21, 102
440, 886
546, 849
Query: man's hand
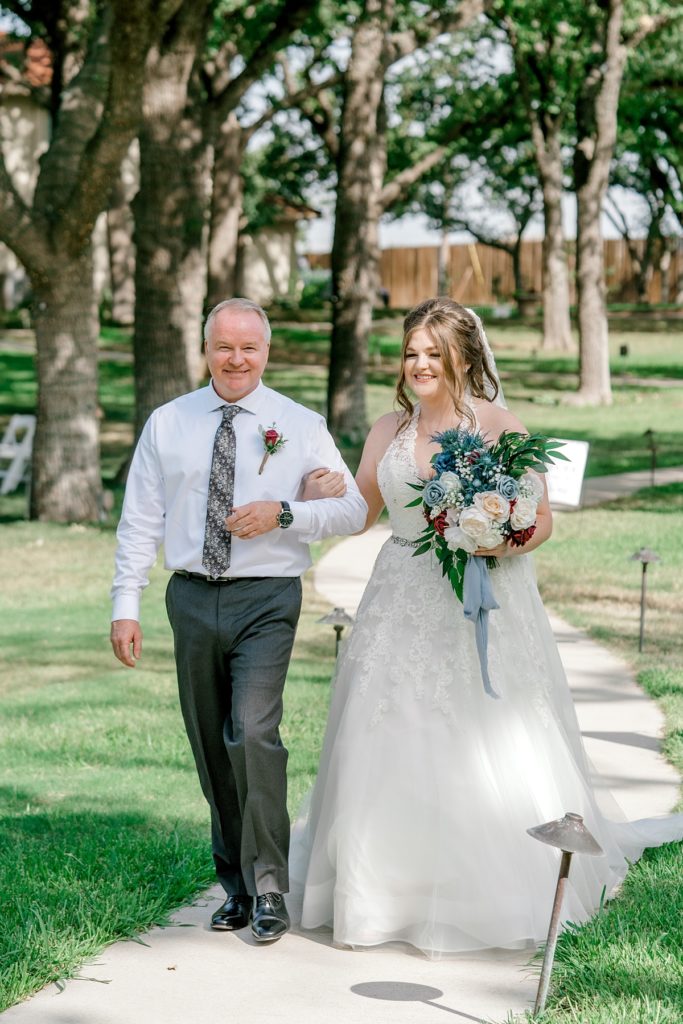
125, 632
323, 483
253, 519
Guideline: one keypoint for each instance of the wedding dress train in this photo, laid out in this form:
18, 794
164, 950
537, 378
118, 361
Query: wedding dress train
416, 827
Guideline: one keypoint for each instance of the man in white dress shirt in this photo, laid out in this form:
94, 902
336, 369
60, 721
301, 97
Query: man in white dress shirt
234, 619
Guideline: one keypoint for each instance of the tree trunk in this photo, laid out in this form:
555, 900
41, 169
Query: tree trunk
227, 200
170, 274
596, 122
516, 254
545, 128
444, 265
66, 485
171, 219
361, 167
644, 264
120, 226
594, 374
557, 332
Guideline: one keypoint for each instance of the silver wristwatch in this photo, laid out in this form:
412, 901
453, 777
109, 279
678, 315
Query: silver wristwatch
285, 517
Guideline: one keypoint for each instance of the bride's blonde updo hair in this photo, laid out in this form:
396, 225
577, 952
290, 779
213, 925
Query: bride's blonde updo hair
455, 333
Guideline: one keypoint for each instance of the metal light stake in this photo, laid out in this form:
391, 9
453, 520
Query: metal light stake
645, 556
649, 436
337, 618
570, 835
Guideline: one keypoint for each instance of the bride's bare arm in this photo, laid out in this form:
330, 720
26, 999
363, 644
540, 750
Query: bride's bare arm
378, 440
494, 420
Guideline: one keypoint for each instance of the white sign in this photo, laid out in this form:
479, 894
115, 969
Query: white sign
565, 479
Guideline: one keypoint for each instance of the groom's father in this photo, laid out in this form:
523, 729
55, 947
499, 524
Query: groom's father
218, 477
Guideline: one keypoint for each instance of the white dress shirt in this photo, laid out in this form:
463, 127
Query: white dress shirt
167, 488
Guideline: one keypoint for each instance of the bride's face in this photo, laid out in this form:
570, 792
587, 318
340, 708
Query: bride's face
423, 366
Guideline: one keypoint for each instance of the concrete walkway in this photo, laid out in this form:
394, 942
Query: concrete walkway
597, 489
183, 975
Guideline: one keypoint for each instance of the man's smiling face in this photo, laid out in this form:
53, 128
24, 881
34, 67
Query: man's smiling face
237, 352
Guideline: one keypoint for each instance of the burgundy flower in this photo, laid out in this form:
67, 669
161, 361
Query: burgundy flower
519, 537
440, 523
273, 441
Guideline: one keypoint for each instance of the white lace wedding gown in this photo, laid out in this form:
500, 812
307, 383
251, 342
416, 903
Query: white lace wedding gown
416, 827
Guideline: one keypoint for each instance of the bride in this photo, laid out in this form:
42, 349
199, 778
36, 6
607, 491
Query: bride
416, 828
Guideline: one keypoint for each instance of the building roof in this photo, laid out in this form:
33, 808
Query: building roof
25, 64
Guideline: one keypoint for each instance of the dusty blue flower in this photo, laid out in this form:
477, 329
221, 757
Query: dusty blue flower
508, 488
443, 461
433, 493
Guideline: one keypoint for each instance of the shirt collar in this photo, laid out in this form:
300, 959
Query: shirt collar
252, 402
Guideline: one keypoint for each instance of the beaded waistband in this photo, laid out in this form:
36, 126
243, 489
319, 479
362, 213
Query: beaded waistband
404, 542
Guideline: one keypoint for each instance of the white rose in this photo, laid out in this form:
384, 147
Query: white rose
451, 482
523, 514
531, 486
474, 522
494, 505
455, 538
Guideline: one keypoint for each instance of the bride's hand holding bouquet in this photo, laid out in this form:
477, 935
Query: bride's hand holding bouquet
481, 505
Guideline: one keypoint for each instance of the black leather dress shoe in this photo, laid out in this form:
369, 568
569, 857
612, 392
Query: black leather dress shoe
269, 920
233, 915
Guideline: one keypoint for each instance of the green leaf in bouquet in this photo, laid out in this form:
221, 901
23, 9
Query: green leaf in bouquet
415, 503
423, 548
457, 582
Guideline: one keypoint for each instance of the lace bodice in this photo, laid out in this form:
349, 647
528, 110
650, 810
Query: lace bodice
396, 471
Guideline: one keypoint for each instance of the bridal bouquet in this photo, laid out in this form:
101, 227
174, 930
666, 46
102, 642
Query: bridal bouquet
481, 495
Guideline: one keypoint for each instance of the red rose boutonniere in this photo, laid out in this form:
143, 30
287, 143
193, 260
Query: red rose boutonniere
273, 441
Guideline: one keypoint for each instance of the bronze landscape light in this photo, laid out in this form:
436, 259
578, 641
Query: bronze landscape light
644, 556
570, 835
337, 618
651, 440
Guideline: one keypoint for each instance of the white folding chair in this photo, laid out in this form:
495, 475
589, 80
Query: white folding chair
16, 448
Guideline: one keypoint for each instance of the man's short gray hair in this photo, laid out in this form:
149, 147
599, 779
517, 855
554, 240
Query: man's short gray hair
243, 305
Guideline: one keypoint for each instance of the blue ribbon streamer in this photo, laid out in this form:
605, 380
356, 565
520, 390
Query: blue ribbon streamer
478, 601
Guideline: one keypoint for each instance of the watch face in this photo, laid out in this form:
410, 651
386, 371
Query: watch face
285, 519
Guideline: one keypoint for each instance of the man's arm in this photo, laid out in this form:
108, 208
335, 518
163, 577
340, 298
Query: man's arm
327, 517
139, 535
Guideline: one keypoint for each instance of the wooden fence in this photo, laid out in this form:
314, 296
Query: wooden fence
481, 275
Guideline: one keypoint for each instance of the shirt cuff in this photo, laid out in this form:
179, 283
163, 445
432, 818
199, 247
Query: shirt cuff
126, 606
303, 516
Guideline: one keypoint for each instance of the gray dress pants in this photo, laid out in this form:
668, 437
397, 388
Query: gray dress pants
232, 645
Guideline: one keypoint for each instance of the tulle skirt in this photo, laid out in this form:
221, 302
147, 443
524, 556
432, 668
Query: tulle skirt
416, 828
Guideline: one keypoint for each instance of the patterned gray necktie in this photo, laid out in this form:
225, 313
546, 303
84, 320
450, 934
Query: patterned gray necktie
216, 555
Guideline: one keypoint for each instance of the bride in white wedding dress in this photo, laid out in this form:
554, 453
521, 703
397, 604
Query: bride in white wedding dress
416, 827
